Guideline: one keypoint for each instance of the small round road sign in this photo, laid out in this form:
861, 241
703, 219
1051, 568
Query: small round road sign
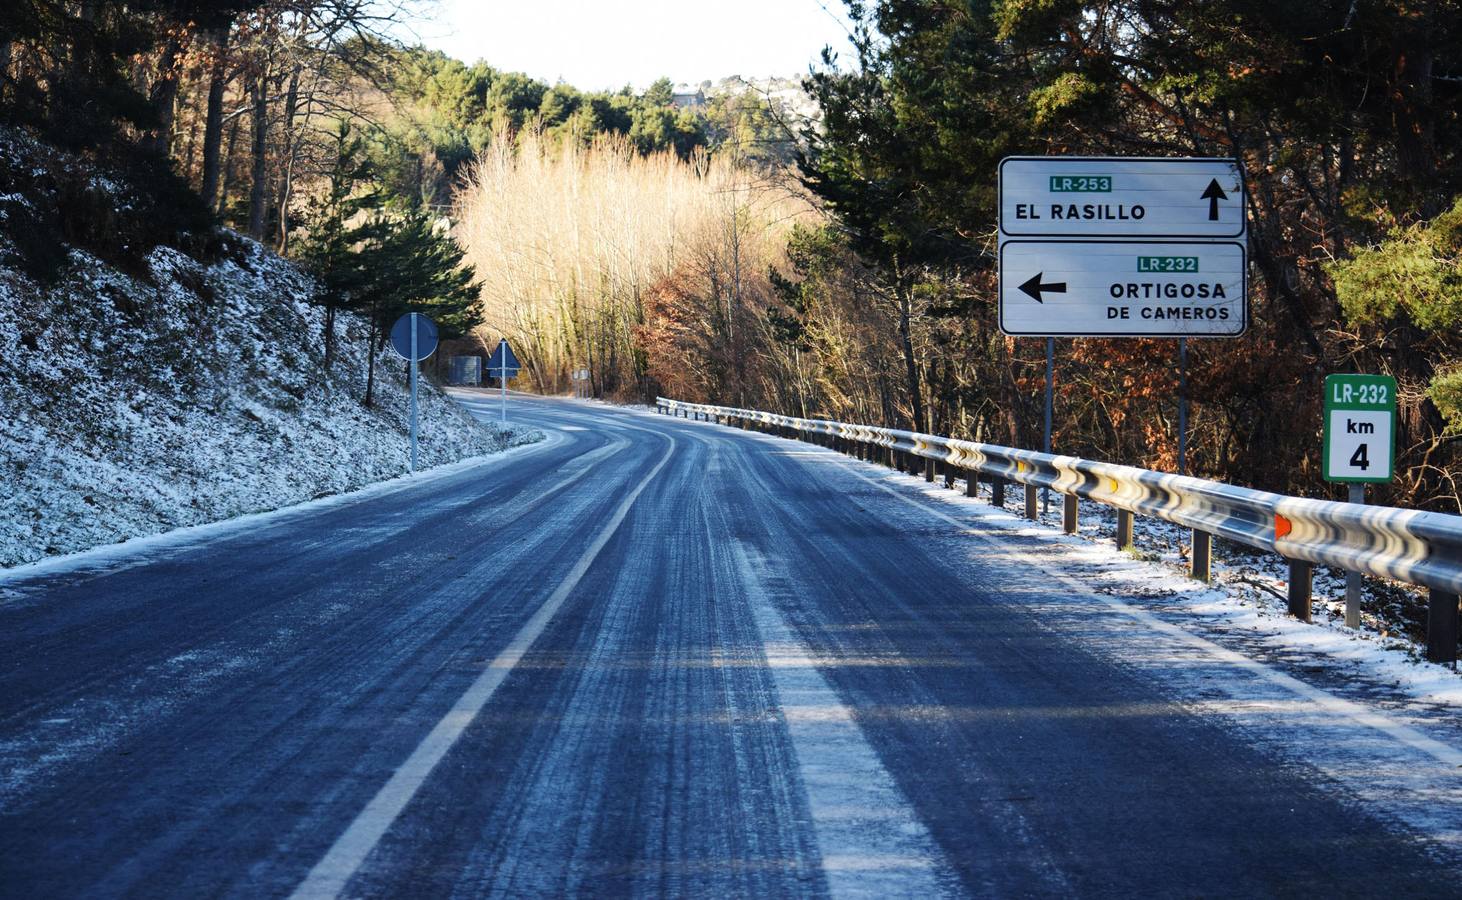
426, 337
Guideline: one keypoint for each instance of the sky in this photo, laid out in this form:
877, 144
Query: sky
607, 44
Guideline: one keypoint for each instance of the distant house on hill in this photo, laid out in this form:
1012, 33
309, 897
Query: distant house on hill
687, 96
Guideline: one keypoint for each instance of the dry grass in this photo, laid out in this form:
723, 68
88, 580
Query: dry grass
571, 241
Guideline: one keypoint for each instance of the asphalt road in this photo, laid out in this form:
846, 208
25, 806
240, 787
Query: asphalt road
665, 658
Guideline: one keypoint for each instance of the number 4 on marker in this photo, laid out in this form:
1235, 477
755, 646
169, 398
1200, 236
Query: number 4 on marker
1359, 459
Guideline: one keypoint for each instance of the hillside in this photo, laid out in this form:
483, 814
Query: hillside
154, 390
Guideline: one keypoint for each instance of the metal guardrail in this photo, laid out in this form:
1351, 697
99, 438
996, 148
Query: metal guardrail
1421, 548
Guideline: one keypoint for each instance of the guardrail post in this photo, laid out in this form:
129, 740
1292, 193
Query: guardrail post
1124, 529
1441, 626
1068, 513
948, 475
1300, 573
972, 483
1202, 556
928, 469
1030, 503
997, 492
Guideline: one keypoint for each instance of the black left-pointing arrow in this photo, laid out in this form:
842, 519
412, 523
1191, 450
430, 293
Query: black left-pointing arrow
1034, 287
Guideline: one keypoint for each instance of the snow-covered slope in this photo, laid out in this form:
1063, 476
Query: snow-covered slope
182, 393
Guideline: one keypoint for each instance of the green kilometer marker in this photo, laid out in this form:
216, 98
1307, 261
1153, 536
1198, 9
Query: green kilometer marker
1360, 428
1081, 184
1167, 264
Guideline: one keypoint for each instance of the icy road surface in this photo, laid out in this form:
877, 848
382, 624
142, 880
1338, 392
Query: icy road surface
665, 658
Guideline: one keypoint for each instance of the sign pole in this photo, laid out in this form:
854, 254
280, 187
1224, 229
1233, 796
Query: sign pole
1050, 385
1182, 406
503, 376
413, 391
1353, 579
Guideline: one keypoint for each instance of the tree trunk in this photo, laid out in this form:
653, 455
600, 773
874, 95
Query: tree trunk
371, 358
227, 180
291, 101
190, 154
911, 365
259, 177
213, 121
329, 337
162, 98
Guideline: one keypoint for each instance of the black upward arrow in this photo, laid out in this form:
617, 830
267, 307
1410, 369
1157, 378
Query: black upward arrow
1034, 287
1213, 193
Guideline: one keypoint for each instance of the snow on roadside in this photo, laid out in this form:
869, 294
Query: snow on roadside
148, 549
139, 402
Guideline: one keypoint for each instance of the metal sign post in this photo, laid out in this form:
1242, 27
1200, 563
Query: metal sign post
505, 365
414, 357
1182, 406
1359, 444
1050, 403
414, 338
1123, 247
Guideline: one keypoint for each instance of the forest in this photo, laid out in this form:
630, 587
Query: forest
839, 264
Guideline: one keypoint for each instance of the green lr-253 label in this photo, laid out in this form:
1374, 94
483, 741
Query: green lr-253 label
1081, 184
1167, 264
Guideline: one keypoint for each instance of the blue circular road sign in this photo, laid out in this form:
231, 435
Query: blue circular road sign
426, 336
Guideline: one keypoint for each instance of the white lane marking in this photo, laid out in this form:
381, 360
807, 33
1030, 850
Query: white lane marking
1401, 733
330, 875
871, 841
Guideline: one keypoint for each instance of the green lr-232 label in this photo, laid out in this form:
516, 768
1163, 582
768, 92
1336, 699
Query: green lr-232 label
1081, 184
1167, 264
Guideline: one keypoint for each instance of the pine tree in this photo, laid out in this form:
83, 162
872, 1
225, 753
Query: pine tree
412, 264
331, 247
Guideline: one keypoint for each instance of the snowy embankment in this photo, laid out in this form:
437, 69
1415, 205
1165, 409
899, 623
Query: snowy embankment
184, 393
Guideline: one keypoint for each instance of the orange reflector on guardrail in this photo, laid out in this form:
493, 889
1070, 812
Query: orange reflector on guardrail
1282, 526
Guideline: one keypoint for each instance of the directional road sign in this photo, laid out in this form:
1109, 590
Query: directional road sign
503, 364
426, 337
1122, 247
1360, 428
1075, 196
1072, 288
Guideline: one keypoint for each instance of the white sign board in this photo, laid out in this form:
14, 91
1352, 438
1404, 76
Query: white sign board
1122, 288
1360, 428
1122, 247
1074, 196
